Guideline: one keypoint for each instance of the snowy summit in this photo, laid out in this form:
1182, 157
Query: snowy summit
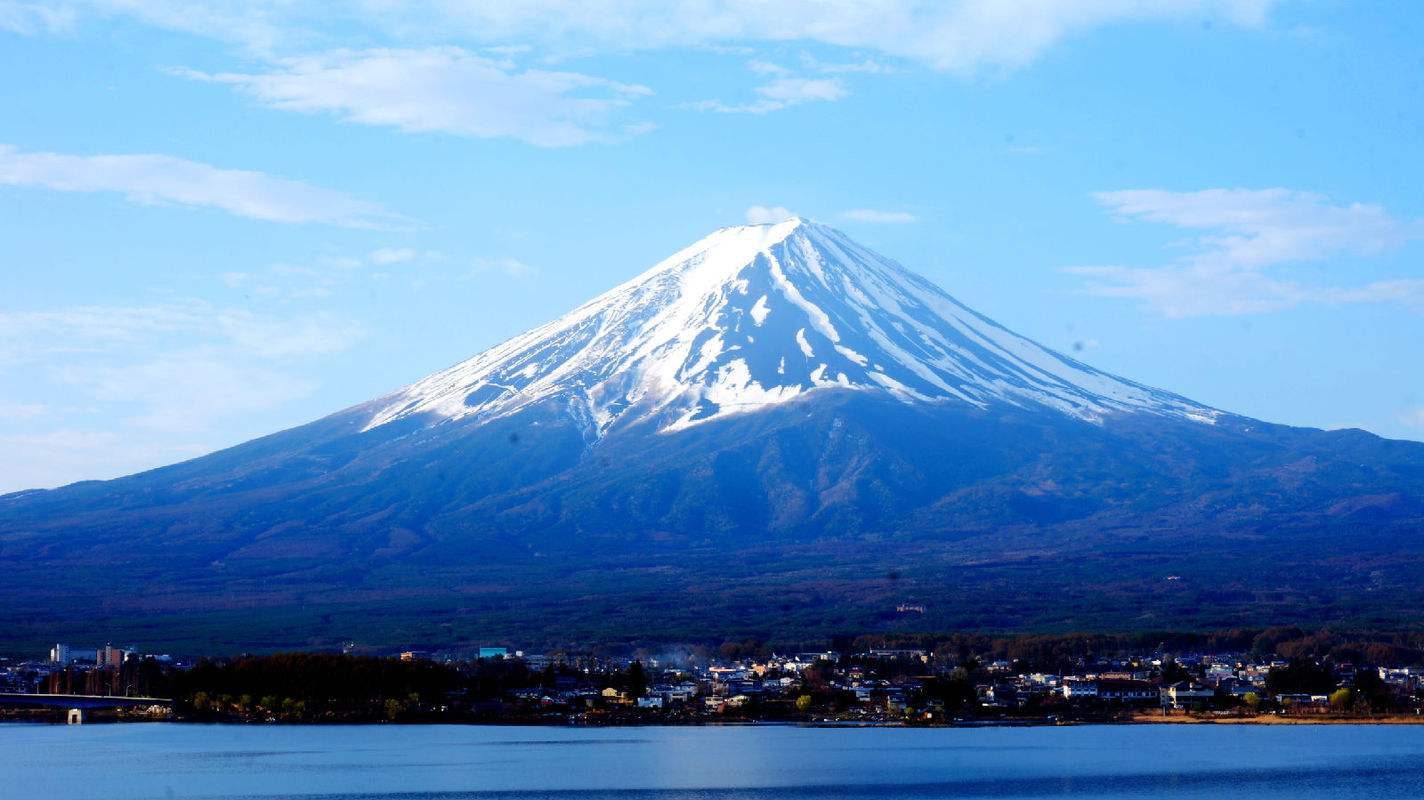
757, 315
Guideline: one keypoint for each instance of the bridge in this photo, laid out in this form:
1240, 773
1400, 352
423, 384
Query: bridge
79, 703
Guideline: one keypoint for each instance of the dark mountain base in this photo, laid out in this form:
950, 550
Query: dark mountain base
823, 517
775, 593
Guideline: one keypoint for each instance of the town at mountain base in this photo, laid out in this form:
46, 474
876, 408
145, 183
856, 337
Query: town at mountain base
773, 433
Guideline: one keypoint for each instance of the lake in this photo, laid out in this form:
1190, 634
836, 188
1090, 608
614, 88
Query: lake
165, 760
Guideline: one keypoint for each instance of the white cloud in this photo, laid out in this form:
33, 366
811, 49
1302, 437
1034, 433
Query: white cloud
160, 180
763, 215
781, 93
393, 255
791, 91
444, 90
866, 66
14, 412
511, 267
767, 68
1260, 227
52, 458
27, 336
962, 36
883, 217
325, 275
186, 392
1245, 240
32, 18
1412, 417
146, 384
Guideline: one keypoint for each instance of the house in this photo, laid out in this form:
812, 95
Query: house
613, 695
1184, 694
1127, 691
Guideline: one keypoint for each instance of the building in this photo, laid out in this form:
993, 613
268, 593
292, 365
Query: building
1127, 691
109, 656
494, 652
59, 654
1185, 694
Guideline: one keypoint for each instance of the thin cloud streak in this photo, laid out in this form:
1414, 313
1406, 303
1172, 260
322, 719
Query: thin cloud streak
879, 217
958, 36
763, 215
150, 179
1245, 242
779, 94
444, 90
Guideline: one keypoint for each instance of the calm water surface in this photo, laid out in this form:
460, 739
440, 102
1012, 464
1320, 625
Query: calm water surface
117, 762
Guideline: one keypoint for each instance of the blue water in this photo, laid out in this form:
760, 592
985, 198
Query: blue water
117, 762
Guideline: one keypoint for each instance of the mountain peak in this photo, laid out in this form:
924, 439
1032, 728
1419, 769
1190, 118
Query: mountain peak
752, 316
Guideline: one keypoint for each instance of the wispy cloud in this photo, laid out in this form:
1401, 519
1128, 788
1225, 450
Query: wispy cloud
393, 255
27, 336
881, 217
164, 180
14, 412
444, 90
41, 459
781, 93
961, 36
762, 215
767, 68
1412, 418
1244, 243
323, 276
33, 18
186, 392
148, 384
511, 267
865, 66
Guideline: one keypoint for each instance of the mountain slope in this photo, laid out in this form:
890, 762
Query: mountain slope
774, 431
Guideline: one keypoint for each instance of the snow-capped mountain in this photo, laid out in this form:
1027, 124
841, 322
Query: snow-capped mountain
757, 315
773, 430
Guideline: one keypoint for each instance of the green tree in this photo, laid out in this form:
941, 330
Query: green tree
1342, 699
1252, 700
803, 703
394, 708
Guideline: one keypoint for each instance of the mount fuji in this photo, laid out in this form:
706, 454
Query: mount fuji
773, 432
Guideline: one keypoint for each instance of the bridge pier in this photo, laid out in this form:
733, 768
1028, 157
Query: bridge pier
76, 716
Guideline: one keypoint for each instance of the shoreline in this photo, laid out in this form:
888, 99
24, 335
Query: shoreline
1134, 719
1273, 719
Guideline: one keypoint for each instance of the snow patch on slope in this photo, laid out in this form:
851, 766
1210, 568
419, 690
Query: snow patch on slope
735, 323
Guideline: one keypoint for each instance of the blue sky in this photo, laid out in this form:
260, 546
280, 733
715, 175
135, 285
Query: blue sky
218, 220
